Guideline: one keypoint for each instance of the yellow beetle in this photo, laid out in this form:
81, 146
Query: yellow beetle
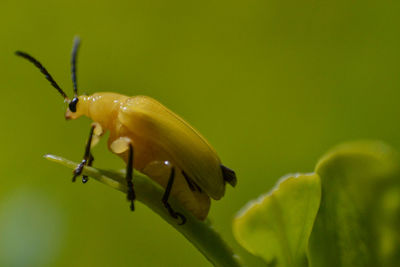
151, 138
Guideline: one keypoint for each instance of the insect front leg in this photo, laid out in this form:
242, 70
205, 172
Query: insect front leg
95, 133
90, 164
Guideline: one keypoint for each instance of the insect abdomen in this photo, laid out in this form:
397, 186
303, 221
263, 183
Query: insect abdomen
229, 175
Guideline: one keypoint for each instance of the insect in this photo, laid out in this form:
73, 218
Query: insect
150, 138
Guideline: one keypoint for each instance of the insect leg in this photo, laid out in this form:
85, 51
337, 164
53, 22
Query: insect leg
129, 173
86, 158
90, 163
165, 197
192, 185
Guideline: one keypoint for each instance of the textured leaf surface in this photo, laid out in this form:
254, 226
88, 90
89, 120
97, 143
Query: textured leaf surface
277, 226
356, 219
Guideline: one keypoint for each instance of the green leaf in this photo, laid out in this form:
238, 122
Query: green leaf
201, 234
277, 226
350, 225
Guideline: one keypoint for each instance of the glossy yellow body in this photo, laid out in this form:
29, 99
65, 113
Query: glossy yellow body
158, 135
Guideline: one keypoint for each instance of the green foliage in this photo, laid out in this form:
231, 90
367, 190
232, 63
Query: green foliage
277, 226
355, 189
344, 214
354, 178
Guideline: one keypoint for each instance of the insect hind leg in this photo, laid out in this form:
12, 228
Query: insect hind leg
191, 184
164, 200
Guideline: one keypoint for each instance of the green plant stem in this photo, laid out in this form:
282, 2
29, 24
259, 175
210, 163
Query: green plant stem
200, 234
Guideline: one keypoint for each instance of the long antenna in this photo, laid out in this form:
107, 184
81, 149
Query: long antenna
74, 55
42, 70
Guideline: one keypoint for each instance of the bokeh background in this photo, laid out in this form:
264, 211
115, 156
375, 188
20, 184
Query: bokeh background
271, 84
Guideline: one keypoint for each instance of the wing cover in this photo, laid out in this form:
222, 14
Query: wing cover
189, 150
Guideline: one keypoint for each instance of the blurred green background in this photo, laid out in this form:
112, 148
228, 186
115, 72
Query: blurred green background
271, 84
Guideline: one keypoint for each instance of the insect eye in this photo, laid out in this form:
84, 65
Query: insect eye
72, 104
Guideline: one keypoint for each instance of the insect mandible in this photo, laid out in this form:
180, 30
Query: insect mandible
152, 139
